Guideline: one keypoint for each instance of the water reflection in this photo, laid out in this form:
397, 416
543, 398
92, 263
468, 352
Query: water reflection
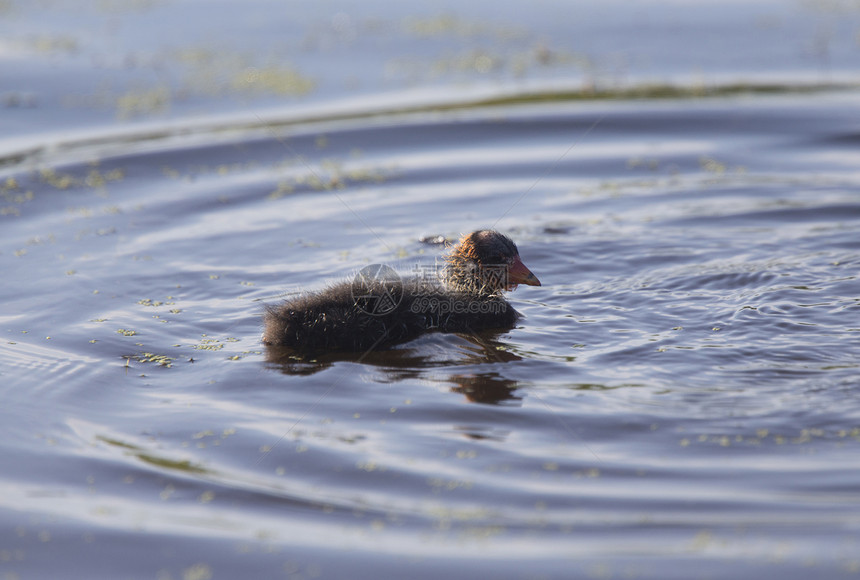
416, 361
488, 388
434, 350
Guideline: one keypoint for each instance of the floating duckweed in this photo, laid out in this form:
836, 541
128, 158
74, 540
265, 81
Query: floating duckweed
81, 211
272, 80
331, 175
209, 344
451, 25
284, 188
59, 181
369, 466
639, 162
59, 43
126, 332
449, 484
805, 436
96, 179
17, 198
137, 103
148, 357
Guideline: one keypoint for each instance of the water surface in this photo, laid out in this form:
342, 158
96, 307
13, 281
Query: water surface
681, 390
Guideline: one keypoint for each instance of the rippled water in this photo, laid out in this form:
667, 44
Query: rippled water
680, 400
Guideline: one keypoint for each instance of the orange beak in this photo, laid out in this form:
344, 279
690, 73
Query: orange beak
519, 274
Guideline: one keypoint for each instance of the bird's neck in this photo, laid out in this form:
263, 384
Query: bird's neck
470, 278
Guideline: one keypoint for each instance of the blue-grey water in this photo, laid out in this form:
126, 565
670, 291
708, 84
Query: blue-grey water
680, 400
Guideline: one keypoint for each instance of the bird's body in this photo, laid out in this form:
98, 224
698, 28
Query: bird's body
374, 312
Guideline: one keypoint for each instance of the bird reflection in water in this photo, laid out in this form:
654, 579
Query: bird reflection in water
415, 361
488, 388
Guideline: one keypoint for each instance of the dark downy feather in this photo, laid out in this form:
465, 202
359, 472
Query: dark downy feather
467, 301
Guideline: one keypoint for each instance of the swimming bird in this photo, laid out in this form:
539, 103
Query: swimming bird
378, 309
